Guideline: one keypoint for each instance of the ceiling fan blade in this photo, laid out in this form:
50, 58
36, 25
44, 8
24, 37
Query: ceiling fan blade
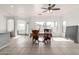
56, 9
43, 8
53, 5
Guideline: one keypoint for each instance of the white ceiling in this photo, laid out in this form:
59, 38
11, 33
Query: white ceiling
32, 10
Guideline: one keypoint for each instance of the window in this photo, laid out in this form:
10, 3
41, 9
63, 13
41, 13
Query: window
64, 26
10, 25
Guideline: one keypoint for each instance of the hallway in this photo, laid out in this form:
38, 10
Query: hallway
22, 45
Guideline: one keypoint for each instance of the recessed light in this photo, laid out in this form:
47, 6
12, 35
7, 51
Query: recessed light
12, 6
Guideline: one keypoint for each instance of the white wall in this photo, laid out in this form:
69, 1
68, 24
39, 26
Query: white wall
2, 24
72, 18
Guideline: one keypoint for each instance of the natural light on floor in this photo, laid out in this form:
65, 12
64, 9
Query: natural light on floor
61, 39
57, 39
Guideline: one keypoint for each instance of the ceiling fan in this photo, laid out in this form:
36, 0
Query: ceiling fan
50, 8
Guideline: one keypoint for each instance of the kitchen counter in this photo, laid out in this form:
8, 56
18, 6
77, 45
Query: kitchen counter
4, 39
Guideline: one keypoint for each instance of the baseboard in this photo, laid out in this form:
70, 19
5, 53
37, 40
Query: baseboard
4, 46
